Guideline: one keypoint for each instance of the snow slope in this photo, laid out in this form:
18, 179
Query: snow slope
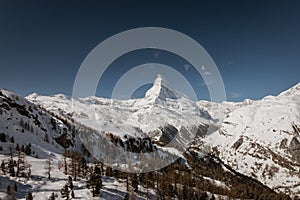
29, 124
41, 188
258, 139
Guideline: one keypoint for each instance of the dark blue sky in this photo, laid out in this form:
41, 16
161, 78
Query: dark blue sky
255, 44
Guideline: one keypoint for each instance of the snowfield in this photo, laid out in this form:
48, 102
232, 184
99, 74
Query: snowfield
259, 140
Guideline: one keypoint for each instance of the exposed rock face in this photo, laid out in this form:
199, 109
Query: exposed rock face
161, 91
168, 133
294, 149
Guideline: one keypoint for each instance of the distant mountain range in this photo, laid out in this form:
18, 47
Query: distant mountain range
255, 138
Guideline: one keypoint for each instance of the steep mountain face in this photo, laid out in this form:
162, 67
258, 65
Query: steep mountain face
160, 92
262, 140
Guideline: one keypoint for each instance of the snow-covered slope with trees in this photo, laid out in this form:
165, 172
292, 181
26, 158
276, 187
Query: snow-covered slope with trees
39, 151
26, 122
258, 140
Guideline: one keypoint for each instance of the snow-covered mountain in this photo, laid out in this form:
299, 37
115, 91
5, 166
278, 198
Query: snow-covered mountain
262, 139
258, 139
160, 91
161, 107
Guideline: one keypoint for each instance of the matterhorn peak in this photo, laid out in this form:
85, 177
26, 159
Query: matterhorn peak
159, 80
161, 91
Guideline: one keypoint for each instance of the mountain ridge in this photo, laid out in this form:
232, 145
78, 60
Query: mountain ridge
256, 138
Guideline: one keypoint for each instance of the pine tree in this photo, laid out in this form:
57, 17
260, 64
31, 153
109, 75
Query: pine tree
109, 171
10, 163
29, 170
10, 192
65, 192
21, 164
127, 183
28, 149
22, 122
17, 147
82, 167
31, 129
70, 182
26, 126
12, 139
3, 167
72, 194
52, 196
15, 187
73, 166
94, 181
3, 137
126, 196
71, 186
135, 183
11, 169
48, 167
23, 167
46, 139
29, 196
65, 161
